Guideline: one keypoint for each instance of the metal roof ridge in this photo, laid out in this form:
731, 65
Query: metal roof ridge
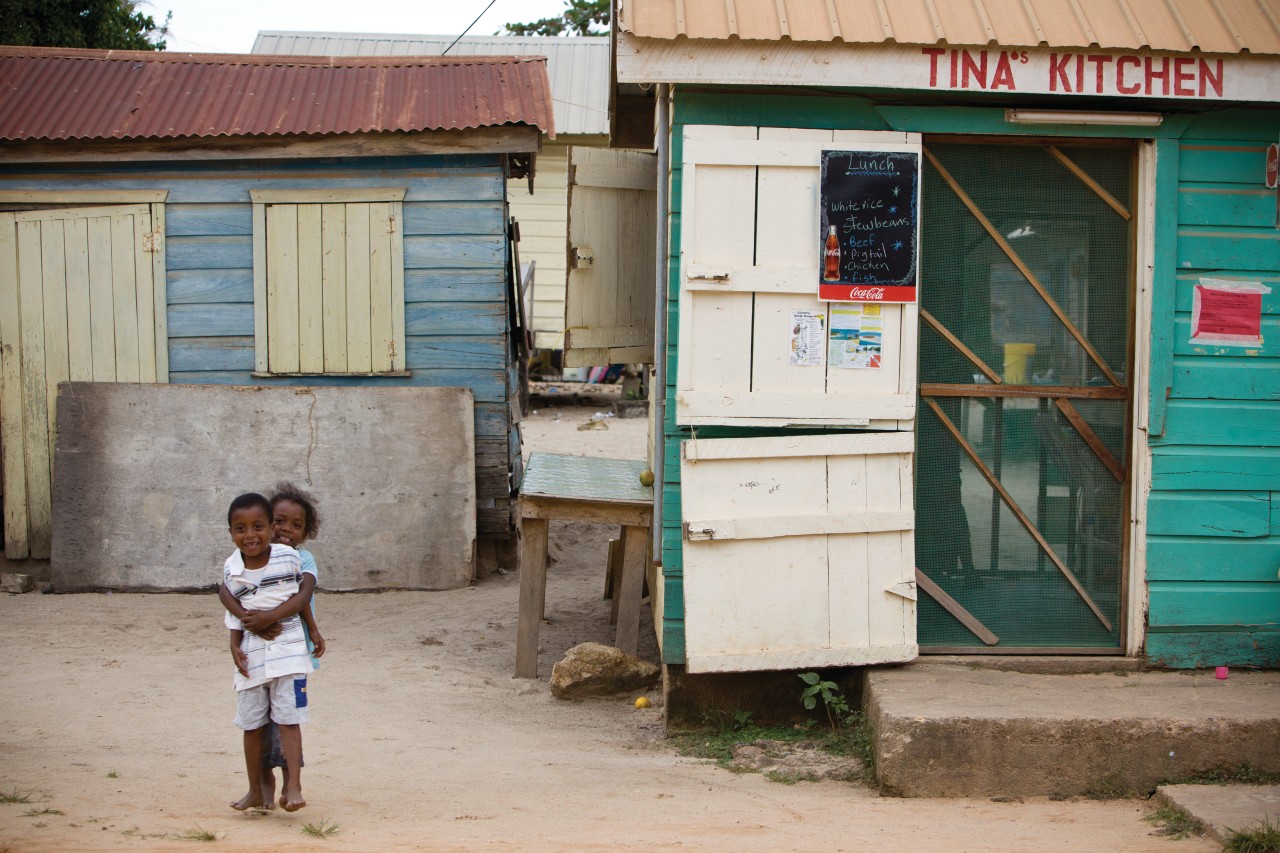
600, 39
400, 60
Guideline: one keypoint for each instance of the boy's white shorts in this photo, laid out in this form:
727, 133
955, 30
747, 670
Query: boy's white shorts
282, 699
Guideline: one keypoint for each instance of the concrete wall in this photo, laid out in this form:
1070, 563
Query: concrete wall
144, 474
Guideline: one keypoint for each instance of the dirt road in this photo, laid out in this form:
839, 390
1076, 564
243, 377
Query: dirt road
115, 719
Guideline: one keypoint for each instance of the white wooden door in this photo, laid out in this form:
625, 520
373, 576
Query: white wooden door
798, 551
78, 302
749, 259
608, 309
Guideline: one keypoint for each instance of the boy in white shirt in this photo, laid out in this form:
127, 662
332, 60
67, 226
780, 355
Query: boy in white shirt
271, 676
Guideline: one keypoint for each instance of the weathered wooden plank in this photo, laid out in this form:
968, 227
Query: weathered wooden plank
1234, 124
53, 268
190, 287
36, 424
209, 220
327, 195
1200, 650
144, 296
1176, 603
310, 296
455, 286
210, 253
1221, 161
437, 318
359, 352
384, 444
159, 303
456, 217
1226, 378
1228, 248
382, 341
1226, 514
333, 287
1184, 558
488, 386
1215, 468
79, 321
101, 300
463, 253
455, 351
231, 353
124, 291
1270, 301
1226, 205
1209, 422
396, 238
1164, 272
282, 288
200, 321
12, 432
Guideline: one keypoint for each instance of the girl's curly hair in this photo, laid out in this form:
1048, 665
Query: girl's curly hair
290, 492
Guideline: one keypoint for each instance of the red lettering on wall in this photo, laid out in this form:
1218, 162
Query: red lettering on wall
1058, 71
1152, 74
933, 53
1183, 72
953, 69
1120, 84
1207, 76
1099, 63
1079, 73
1004, 73
977, 69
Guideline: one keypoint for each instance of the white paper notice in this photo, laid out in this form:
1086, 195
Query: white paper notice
857, 333
808, 335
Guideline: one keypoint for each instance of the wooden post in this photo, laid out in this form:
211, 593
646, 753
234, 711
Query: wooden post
635, 547
533, 595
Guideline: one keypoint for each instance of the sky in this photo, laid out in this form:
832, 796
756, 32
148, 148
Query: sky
230, 26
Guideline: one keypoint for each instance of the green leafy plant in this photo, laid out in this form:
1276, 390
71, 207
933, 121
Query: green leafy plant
1262, 837
113, 775
833, 701
39, 812
13, 795
1175, 822
322, 828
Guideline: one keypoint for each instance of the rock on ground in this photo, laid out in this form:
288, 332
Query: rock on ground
594, 669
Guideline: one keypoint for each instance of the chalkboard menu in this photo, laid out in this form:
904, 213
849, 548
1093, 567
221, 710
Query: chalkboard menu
870, 216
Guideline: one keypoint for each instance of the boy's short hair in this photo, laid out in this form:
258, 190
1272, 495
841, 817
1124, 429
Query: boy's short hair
290, 492
247, 500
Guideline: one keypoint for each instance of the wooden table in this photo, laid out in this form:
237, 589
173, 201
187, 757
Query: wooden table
580, 488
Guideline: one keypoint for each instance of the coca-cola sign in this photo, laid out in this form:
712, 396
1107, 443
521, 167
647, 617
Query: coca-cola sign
869, 211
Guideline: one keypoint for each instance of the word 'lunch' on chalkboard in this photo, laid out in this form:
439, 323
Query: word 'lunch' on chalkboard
870, 226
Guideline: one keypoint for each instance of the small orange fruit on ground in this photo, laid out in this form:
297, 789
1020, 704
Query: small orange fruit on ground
643, 702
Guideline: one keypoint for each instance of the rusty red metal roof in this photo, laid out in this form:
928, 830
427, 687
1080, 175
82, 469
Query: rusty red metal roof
55, 94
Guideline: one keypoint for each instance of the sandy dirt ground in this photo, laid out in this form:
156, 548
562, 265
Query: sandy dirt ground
115, 720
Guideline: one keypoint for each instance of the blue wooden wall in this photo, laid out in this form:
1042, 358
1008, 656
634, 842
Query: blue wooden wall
456, 322
1213, 547
1213, 544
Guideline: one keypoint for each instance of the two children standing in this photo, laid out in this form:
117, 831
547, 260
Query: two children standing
267, 586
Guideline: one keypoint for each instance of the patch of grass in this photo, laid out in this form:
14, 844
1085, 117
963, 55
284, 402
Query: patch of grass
853, 739
718, 745
789, 777
1243, 774
1109, 787
1262, 837
113, 775
39, 812
322, 828
196, 834
13, 795
1174, 821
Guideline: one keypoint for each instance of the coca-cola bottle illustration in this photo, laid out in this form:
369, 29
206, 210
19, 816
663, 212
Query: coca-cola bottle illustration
831, 256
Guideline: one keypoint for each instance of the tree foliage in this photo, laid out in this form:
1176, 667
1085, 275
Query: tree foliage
578, 19
107, 24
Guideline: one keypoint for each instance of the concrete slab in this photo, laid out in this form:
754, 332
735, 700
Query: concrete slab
947, 730
1223, 808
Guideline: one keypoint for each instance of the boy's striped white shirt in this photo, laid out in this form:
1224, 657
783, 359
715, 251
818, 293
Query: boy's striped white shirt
264, 589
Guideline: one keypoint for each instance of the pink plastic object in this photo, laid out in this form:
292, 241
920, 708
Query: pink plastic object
1220, 673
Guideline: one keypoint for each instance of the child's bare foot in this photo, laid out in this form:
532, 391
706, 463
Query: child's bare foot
251, 800
269, 790
292, 802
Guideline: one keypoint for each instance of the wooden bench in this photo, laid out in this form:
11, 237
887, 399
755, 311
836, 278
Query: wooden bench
594, 490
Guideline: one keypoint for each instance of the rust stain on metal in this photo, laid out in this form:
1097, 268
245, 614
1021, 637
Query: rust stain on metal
54, 94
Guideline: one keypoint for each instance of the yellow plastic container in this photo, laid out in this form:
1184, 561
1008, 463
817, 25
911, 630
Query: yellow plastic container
1016, 358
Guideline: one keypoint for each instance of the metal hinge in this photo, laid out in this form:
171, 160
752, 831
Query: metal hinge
391, 224
152, 242
700, 534
581, 257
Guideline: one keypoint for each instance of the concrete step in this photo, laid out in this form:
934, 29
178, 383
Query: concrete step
960, 729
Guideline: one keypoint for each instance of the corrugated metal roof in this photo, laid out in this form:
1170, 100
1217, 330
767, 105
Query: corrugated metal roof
577, 65
1211, 26
48, 94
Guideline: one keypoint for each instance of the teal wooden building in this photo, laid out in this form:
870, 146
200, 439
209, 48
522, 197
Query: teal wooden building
260, 220
1069, 443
